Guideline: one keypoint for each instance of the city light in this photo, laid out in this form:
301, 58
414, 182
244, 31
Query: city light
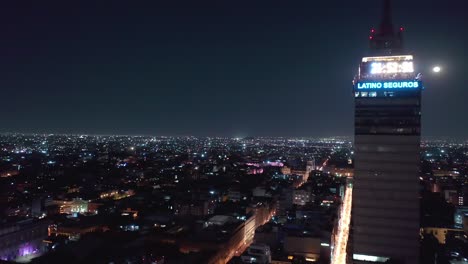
341, 242
211, 171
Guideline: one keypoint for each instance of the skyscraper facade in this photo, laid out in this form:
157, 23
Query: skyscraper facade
385, 212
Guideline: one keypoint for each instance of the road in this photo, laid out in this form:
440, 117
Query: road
341, 239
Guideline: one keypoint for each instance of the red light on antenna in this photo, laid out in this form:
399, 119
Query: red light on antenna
370, 37
402, 29
372, 30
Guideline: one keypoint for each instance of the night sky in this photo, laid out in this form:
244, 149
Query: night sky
217, 68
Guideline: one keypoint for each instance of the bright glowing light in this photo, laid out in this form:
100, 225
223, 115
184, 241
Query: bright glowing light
436, 69
388, 85
388, 58
391, 67
369, 258
339, 249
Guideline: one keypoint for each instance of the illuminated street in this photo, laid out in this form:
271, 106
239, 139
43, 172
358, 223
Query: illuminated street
339, 250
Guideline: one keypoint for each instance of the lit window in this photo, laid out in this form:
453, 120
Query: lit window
369, 258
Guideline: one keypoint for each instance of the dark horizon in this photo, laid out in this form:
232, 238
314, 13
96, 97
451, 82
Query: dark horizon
221, 69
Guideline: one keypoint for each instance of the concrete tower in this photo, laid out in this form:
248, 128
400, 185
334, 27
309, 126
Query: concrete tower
385, 212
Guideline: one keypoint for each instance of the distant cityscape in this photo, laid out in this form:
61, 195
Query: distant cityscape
200, 200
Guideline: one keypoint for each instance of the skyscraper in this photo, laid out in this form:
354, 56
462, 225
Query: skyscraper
387, 90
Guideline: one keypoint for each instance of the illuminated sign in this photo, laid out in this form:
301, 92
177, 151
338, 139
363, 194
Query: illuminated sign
388, 58
391, 67
389, 85
386, 65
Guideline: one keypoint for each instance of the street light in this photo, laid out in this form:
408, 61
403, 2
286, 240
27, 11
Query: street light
436, 69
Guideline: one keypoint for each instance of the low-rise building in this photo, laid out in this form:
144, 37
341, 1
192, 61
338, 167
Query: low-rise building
301, 197
439, 232
22, 239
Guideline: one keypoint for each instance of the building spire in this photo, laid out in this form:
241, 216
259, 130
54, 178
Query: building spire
386, 26
384, 41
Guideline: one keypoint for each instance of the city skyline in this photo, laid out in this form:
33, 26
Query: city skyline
229, 133
221, 70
